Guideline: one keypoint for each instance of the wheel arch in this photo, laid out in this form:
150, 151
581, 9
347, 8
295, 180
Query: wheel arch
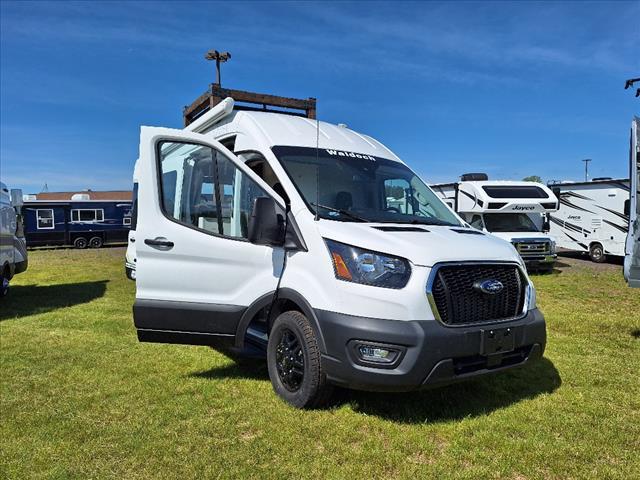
288, 299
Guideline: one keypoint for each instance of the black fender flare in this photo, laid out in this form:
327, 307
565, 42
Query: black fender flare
265, 300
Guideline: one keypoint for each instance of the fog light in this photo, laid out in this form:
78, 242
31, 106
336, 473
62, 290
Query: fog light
376, 354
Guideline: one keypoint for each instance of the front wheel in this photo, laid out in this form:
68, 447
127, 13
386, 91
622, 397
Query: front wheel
294, 362
4, 286
80, 242
596, 253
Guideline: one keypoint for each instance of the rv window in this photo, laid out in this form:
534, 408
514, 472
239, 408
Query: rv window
507, 191
203, 189
87, 215
45, 218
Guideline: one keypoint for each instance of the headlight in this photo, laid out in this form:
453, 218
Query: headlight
533, 300
553, 247
356, 265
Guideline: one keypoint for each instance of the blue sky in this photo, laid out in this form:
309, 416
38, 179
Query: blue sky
513, 89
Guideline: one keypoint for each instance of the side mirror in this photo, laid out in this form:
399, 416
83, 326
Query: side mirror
546, 224
266, 225
627, 207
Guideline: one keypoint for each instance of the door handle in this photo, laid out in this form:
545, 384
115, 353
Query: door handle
160, 242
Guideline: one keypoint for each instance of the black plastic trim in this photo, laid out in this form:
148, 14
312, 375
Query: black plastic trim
187, 316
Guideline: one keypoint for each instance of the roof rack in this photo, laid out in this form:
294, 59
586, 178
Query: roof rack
248, 101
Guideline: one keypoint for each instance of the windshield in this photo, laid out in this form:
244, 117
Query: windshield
509, 222
355, 187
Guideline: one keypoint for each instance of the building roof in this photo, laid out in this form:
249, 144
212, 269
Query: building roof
115, 195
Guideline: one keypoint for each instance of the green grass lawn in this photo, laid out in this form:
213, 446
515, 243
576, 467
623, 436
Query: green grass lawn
81, 398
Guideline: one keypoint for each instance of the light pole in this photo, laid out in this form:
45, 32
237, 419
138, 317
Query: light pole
586, 168
219, 57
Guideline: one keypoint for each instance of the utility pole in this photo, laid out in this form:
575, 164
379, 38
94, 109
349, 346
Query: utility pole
219, 58
586, 169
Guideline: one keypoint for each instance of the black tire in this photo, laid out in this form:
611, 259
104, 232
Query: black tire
596, 253
294, 362
4, 286
95, 242
80, 243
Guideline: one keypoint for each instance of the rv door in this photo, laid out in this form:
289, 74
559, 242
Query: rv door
632, 247
196, 271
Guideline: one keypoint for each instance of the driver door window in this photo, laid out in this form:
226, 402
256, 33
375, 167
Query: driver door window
203, 189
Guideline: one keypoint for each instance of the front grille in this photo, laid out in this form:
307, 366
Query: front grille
458, 302
532, 248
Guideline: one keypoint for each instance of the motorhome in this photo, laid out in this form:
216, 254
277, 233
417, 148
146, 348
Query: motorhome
81, 220
13, 250
271, 233
632, 248
593, 217
513, 211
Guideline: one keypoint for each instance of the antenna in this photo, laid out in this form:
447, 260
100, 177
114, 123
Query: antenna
318, 168
586, 168
45, 188
219, 58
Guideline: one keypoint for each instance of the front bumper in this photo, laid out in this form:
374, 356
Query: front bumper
540, 260
433, 354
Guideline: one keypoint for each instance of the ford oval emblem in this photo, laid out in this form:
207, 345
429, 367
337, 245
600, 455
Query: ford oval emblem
490, 286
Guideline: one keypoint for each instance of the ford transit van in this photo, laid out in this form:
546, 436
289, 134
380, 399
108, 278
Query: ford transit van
272, 234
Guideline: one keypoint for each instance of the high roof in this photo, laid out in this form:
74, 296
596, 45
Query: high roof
289, 130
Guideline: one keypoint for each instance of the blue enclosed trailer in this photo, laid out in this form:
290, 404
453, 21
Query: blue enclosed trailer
80, 223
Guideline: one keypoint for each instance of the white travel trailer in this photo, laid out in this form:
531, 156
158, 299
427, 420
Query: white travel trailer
513, 211
272, 233
593, 217
13, 248
632, 249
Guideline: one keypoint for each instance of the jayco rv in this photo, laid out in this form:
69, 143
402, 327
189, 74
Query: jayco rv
513, 211
13, 250
593, 217
632, 249
273, 233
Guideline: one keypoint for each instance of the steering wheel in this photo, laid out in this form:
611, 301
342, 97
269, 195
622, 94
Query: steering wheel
393, 209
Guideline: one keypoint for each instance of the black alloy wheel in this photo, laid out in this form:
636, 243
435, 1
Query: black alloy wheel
290, 360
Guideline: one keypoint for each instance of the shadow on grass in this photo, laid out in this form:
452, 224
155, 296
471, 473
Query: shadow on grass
467, 399
24, 300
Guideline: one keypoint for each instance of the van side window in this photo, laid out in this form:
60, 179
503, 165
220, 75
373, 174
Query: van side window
202, 188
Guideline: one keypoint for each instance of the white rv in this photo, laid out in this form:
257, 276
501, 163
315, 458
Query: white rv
513, 211
13, 248
593, 217
632, 249
273, 233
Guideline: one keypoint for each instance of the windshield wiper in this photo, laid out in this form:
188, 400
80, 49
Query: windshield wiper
342, 212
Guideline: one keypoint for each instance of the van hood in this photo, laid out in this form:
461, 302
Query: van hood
422, 245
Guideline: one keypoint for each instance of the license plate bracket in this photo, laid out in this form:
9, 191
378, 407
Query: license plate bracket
497, 340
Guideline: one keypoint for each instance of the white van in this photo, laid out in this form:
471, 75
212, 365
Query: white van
271, 233
512, 210
13, 248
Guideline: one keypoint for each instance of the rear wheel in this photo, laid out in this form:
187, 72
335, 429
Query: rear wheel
293, 359
95, 242
596, 253
80, 242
